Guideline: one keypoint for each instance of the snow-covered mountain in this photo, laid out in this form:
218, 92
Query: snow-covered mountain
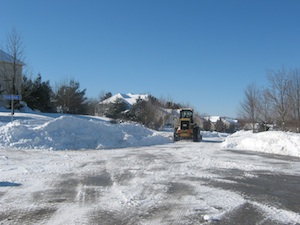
130, 99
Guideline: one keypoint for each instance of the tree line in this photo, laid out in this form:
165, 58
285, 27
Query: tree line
277, 105
150, 112
67, 97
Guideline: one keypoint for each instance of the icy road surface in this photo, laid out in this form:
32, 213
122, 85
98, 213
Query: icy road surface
177, 183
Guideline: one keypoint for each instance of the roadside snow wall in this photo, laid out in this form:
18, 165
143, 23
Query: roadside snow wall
275, 142
67, 132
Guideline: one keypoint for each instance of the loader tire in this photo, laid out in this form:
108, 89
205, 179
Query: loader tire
196, 134
175, 135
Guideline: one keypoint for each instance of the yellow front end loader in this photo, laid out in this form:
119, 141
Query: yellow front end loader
186, 128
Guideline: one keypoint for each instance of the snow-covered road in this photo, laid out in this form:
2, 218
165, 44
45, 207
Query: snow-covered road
176, 183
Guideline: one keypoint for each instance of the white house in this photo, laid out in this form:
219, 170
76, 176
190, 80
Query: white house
227, 124
10, 74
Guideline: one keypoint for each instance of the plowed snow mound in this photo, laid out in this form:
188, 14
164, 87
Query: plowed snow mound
275, 142
67, 132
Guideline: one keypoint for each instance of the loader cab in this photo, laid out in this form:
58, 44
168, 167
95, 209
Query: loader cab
186, 113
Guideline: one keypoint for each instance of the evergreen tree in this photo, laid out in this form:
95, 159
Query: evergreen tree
37, 94
105, 96
70, 99
27, 85
115, 109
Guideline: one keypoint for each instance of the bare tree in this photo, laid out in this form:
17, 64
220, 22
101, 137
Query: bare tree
11, 66
294, 93
266, 111
13, 72
279, 94
207, 125
220, 126
93, 106
251, 106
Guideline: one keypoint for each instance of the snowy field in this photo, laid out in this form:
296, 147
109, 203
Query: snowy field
127, 174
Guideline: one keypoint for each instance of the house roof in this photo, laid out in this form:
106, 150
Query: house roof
5, 57
130, 99
214, 119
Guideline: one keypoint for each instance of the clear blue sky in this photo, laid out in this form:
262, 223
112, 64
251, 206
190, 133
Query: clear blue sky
201, 52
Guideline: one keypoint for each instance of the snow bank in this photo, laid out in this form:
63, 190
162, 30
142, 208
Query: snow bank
71, 132
61, 132
275, 142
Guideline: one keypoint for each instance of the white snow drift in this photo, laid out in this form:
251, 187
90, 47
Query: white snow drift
274, 142
29, 131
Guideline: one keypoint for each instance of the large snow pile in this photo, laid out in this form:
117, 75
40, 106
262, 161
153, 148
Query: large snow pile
275, 142
29, 131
